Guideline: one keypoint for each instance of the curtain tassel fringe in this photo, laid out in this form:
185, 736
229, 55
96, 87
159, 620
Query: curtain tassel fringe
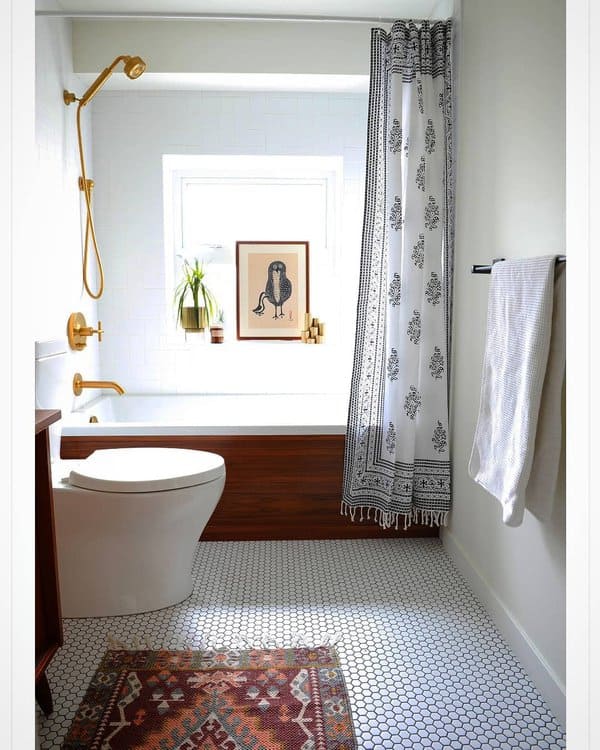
388, 519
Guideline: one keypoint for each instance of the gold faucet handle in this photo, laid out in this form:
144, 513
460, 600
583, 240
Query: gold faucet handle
78, 331
99, 331
89, 331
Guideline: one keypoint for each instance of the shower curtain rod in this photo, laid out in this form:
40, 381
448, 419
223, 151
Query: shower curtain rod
155, 15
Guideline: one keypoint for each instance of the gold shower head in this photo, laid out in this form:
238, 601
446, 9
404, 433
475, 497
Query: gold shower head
134, 67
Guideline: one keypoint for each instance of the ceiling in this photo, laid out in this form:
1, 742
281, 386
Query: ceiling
345, 8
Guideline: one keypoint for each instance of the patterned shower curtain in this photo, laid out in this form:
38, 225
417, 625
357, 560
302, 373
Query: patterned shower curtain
397, 463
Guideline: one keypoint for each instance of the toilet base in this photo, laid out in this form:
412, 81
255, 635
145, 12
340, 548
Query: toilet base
76, 606
128, 553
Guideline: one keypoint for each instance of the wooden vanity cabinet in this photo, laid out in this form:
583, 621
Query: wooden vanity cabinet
48, 621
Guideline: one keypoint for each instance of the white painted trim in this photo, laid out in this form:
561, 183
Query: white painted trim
19, 255
285, 82
583, 316
544, 677
114, 15
179, 169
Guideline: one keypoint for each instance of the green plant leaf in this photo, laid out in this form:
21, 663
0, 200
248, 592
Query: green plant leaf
194, 284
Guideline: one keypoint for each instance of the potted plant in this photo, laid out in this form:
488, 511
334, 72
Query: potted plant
216, 329
198, 316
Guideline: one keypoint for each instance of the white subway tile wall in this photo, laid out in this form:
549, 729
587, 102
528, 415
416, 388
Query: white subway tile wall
54, 285
142, 349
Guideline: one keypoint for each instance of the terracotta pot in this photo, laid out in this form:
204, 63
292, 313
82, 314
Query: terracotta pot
217, 335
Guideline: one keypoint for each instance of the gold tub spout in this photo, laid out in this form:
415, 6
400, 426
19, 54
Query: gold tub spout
79, 384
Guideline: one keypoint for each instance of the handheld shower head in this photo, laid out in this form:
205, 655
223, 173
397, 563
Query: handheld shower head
134, 67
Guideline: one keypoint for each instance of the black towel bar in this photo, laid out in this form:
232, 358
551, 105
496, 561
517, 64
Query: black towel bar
488, 269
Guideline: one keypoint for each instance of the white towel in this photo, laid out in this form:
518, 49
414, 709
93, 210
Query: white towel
517, 440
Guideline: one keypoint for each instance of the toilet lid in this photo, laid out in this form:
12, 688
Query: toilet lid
146, 469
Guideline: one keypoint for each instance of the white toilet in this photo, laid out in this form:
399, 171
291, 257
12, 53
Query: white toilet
127, 520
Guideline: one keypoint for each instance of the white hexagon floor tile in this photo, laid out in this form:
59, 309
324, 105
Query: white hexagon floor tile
425, 666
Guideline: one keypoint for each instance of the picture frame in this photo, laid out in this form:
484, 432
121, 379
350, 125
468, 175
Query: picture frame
272, 289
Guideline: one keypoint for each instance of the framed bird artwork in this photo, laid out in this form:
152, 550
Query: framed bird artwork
272, 289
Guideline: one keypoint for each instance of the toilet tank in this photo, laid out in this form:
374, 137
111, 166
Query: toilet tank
52, 385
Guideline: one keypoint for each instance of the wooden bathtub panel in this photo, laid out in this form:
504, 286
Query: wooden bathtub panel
277, 487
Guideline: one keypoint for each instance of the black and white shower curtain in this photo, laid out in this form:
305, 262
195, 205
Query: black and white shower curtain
397, 465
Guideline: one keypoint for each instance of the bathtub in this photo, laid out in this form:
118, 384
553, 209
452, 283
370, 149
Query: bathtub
222, 414
284, 457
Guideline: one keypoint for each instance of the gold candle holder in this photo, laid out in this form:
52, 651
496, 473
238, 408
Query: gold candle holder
320, 339
314, 331
321, 329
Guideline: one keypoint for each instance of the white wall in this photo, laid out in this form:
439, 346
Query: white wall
171, 46
445, 9
510, 203
55, 281
143, 350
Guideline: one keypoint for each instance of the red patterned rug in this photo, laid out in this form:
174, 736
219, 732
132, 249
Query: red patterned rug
276, 699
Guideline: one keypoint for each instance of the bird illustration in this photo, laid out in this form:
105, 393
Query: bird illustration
277, 291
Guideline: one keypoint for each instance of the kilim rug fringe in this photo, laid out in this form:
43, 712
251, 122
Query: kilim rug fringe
150, 642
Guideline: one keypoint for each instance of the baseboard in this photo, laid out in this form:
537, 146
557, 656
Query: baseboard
545, 679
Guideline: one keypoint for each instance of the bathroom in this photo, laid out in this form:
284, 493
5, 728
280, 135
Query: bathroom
277, 572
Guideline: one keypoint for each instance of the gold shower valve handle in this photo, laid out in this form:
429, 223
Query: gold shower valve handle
78, 331
89, 331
